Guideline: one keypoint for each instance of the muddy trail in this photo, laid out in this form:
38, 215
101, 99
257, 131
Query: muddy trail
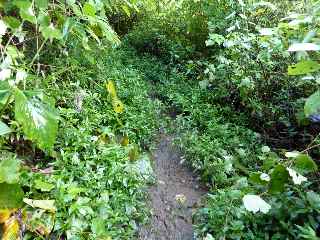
175, 195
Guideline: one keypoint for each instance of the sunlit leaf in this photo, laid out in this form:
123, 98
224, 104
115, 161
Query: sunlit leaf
43, 186
296, 47
118, 106
126, 10
4, 129
51, 32
111, 88
41, 3
304, 67
42, 204
39, 120
3, 28
21, 75
5, 214
108, 32
11, 229
5, 74
292, 154
98, 226
89, 10
26, 11
296, 177
254, 203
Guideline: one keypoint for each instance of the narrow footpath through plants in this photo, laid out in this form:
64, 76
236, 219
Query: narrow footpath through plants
174, 196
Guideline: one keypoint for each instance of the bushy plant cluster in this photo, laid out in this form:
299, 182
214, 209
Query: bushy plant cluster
78, 108
73, 116
252, 83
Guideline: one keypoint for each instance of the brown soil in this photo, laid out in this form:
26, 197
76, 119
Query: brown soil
171, 216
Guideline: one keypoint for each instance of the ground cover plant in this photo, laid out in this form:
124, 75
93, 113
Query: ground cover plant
86, 85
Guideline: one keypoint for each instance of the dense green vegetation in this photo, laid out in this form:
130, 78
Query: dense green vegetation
85, 86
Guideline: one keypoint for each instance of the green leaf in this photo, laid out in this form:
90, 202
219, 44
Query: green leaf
5, 93
255, 178
4, 129
270, 161
39, 120
12, 22
98, 226
50, 32
108, 32
41, 3
279, 177
26, 11
22, 4
312, 105
11, 196
304, 164
9, 170
43, 20
303, 67
126, 10
89, 10
43, 186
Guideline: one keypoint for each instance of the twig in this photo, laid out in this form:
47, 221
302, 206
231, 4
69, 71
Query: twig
309, 148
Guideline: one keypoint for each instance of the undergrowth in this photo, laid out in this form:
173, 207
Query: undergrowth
242, 114
235, 81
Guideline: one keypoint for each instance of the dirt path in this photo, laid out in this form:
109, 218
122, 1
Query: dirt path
173, 197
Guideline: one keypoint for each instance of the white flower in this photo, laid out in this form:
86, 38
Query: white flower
296, 177
3, 28
265, 177
5, 74
265, 149
94, 138
254, 203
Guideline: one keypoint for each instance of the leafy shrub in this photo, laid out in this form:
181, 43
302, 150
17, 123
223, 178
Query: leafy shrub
237, 86
225, 210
